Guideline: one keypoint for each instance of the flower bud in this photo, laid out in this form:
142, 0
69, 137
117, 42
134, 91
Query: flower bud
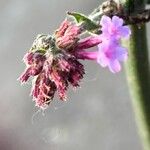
67, 35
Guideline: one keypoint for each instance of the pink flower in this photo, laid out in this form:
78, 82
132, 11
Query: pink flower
113, 28
88, 42
110, 51
86, 55
110, 54
53, 62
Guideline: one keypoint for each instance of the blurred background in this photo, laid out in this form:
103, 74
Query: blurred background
97, 116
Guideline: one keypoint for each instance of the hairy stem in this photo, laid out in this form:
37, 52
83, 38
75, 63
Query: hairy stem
137, 71
138, 81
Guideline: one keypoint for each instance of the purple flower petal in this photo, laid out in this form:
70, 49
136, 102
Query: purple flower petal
102, 59
121, 53
105, 21
114, 66
114, 28
117, 22
110, 51
124, 31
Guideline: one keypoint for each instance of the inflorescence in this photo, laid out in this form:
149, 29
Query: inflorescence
54, 64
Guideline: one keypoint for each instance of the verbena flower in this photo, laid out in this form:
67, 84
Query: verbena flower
114, 28
110, 50
110, 53
53, 61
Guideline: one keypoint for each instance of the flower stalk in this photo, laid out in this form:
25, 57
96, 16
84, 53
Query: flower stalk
138, 80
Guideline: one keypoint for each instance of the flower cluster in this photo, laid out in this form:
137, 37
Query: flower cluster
51, 75
110, 51
53, 61
52, 68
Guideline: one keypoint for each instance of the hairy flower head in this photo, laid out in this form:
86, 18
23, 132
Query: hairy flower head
53, 61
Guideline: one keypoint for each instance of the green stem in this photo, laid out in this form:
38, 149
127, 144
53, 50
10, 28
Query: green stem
137, 71
138, 80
